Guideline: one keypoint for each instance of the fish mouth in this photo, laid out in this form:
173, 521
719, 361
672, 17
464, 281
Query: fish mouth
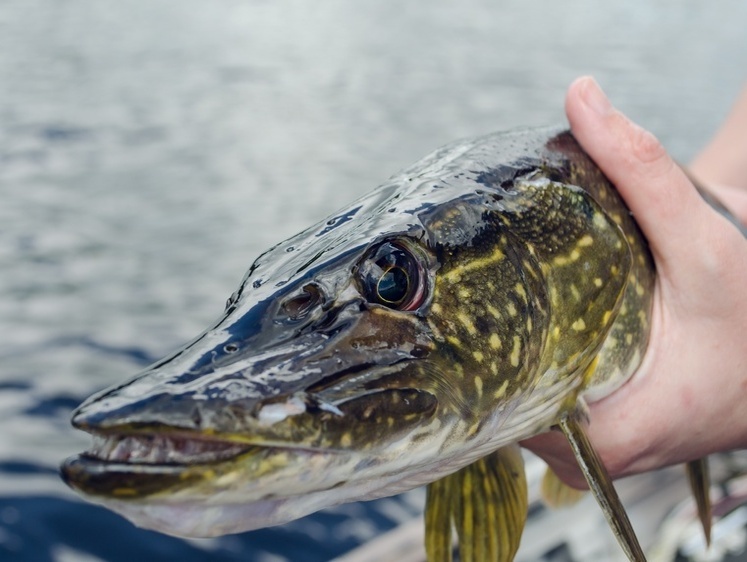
171, 450
138, 466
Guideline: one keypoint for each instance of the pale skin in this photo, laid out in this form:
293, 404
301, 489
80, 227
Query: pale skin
688, 398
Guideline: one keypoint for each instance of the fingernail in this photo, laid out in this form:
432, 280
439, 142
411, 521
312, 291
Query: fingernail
594, 97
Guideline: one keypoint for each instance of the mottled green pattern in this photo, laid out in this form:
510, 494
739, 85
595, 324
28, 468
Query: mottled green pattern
526, 287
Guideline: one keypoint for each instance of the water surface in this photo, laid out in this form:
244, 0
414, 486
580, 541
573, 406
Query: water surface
149, 150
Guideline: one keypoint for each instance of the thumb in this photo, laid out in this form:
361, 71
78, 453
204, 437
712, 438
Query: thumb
661, 197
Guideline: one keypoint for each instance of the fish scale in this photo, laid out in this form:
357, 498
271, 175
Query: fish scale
473, 300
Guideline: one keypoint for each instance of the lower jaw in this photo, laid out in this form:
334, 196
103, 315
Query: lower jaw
259, 471
177, 500
125, 481
262, 487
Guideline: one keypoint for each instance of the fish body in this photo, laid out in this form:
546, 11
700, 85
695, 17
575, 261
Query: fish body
475, 299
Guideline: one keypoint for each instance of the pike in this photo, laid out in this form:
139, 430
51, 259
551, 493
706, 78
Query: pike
480, 297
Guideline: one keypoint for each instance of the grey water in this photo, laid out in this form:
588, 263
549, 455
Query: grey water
150, 150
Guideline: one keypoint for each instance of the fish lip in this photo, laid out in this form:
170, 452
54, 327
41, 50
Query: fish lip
109, 479
108, 472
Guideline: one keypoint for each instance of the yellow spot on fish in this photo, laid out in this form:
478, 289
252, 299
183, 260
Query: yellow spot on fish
501, 391
575, 293
628, 338
606, 317
529, 269
579, 325
436, 332
455, 275
529, 324
556, 332
467, 323
346, 440
494, 312
464, 293
494, 368
453, 340
478, 386
478, 356
575, 254
515, 352
437, 308
520, 291
585, 241
600, 221
495, 341
553, 293
511, 309
597, 282
639, 289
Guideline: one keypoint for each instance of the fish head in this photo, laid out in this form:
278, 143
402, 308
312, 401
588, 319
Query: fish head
356, 357
455, 309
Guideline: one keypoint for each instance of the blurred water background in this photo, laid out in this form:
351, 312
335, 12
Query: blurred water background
149, 150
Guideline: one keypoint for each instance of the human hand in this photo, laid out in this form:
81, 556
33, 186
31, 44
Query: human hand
689, 396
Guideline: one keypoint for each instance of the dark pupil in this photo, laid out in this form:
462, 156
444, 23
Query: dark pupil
393, 285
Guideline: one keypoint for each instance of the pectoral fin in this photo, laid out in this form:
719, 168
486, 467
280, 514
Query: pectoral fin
486, 502
556, 493
601, 486
697, 474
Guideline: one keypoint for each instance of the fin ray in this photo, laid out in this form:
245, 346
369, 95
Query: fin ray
486, 502
601, 485
556, 493
698, 476
438, 521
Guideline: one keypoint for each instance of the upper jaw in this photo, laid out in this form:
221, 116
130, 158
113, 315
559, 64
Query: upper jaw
243, 399
135, 461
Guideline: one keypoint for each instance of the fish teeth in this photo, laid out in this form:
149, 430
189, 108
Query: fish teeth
158, 449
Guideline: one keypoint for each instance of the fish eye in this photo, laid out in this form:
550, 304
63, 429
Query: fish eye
393, 285
392, 276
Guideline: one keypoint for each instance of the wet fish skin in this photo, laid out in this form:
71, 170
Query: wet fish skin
532, 290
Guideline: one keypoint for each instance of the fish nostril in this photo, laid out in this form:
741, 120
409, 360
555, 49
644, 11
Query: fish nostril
298, 306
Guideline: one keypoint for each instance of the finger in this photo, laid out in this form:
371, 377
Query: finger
659, 194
